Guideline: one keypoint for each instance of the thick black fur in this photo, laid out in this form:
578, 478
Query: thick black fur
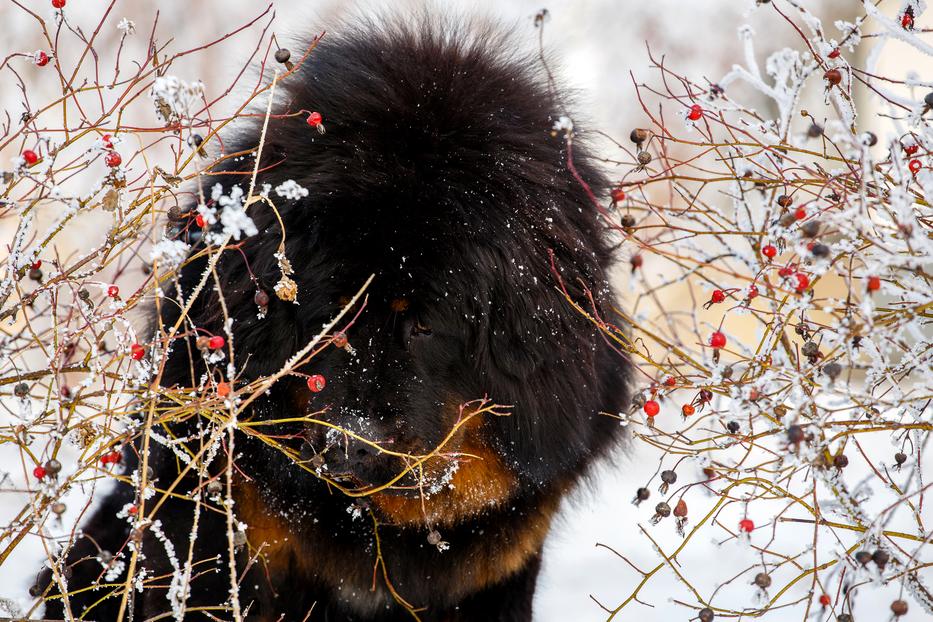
438, 173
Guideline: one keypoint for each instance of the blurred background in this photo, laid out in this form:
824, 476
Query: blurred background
600, 48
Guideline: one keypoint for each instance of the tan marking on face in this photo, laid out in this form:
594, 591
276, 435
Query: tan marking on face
399, 305
481, 482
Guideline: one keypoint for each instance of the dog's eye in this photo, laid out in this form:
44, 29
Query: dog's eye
419, 329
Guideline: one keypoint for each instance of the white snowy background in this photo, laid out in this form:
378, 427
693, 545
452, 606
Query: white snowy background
598, 43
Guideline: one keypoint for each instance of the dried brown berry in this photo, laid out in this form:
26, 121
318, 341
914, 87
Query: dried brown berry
261, 298
434, 537
795, 434
706, 615
820, 250
644, 158
21, 389
833, 76
733, 427
784, 200
863, 557
680, 510
811, 228
880, 557
638, 136
53, 466
832, 370
763, 580
899, 607
282, 55
662, 509
900, 458
627, 221
840, 461
668, 477
815, 130
641, 494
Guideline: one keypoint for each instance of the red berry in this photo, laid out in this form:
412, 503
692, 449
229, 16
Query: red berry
137, 352
113, 159
874, 283
835, 53
315, 119
803, 281
58, 4
113, 291
911, 149
752, 291
316, 383
785, 271
636, 262
746, 525
696, 111
688, 410
111, 457
907, 22
223, 389
216, 342
199, 220
39, 472
717, 340
107, 141
30, 156
652, 408
618, 195
670, 381
718, 296
769, 251
133, 511
825, 600
42, 59
340, 340
800, 213
36, 264
914, 166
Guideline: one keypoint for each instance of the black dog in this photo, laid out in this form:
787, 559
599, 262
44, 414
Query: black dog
440, 174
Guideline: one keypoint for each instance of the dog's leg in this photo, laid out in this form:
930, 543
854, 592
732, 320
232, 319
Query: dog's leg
102, 538
509, 601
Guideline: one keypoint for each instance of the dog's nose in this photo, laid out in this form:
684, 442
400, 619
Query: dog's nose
360, 461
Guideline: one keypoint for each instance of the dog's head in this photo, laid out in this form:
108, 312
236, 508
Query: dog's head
440, 174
